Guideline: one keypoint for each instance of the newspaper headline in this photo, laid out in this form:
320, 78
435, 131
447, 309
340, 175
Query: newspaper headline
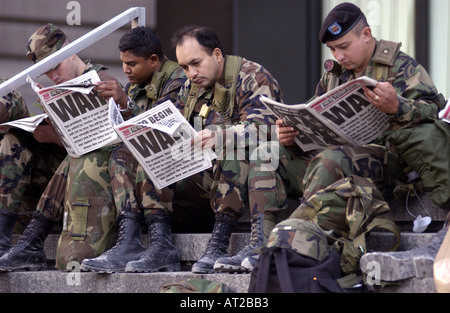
161, 141
342, 116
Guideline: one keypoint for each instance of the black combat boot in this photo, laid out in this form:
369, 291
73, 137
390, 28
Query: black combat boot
28, 253
7, 221
400, 265
127, 248
217, 245
261, 227
161, 254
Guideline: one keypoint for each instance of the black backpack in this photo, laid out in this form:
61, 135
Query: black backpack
280, 270
296, 258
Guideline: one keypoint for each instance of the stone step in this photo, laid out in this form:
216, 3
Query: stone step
191, 247
54, 281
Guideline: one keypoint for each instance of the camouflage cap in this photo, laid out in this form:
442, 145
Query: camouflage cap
301, 236
44, 41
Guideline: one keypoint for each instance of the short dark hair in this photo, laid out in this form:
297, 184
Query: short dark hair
205, 36
362, 23
142, 42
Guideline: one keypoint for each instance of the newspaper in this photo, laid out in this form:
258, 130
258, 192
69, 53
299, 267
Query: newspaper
161, 141
444, 114
342, 116
28, 124
79, 115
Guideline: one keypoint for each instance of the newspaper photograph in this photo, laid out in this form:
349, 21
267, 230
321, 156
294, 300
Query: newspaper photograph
342, 116
79, 114
161, 141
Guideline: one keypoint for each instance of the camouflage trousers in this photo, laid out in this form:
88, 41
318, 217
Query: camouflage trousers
369, 161
80, 194
287, 167
333, 164
26, 167
233, 182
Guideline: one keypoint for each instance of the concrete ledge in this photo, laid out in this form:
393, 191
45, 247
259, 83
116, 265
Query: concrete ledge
412, 285
76, 282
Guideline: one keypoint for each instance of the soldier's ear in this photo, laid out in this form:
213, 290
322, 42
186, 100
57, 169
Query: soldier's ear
217, 54
367, 34
154, 58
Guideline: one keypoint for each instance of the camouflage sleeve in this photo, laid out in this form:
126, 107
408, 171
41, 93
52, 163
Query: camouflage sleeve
419, 100
173, 86
254, 81
12, 106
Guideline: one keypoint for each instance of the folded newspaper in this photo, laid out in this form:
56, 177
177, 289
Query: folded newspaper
28, 124
79, 114
342, 116
161, 141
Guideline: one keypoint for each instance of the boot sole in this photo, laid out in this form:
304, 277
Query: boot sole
228, 268
100, 270
395, 269
36, 267
204, 271
176, 267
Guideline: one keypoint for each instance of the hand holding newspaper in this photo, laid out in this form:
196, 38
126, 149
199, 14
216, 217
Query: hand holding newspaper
160, 140
79, 115
342, 116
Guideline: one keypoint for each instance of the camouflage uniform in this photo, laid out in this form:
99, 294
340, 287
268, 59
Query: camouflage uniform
88, 182
123, 166
419, 102
126, 173
76, 185
224, 192
227, 186
26, 166
12, 106
81, 180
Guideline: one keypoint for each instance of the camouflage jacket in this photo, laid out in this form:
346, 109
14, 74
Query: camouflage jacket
419, 100
12, 106
165, 85
252, 81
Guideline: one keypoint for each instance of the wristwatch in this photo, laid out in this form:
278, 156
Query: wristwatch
130, 106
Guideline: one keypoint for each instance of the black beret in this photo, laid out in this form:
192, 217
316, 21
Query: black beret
339, 22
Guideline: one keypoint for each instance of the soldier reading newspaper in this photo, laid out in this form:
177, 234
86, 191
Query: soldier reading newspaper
160, 138
79, 114
341, 116
161, 141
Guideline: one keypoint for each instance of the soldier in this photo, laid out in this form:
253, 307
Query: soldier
221, 89
405, 92
163, 84
28, 252
12, 107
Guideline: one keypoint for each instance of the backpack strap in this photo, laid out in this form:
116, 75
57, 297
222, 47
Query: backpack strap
224, 97
283, 272
232, 69
191, 101
262, 279
354, 246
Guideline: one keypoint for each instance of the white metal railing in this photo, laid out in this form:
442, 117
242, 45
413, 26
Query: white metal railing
135, 15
